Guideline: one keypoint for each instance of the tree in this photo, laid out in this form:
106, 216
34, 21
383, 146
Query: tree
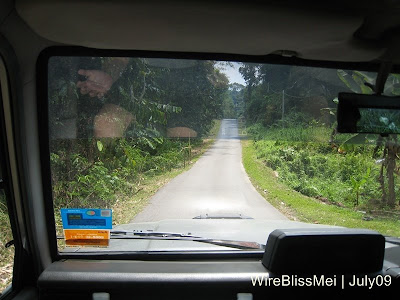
199, 91
236, 91
228, 107
250, 74
276, 88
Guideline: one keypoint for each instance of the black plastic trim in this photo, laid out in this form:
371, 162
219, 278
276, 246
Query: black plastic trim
167, 255
324, 251
266, 59
43, 129
21, 256
221, 279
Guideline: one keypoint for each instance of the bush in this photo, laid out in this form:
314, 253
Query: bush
93, 173
317, 169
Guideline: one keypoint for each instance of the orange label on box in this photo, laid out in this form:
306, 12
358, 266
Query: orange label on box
87, 237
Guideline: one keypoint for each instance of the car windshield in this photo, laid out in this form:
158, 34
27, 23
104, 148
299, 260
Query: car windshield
180, 150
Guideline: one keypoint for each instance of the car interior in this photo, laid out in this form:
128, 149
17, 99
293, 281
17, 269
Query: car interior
340, 34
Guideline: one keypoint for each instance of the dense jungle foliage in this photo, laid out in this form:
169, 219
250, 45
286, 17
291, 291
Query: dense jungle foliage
160, 94
291, 115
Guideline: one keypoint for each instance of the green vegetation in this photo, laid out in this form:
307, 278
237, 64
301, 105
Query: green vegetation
344, 176
213, 133
228, 107
114, 167
302, 165
299, 207
120, 176
163, 111
6, 254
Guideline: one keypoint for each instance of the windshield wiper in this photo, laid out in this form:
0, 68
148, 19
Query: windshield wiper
165, 236
118, 234
392, 239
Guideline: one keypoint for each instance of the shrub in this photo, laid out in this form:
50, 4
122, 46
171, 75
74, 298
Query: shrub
316, 169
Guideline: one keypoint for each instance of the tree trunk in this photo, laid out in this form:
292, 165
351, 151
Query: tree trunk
91, 144
391, 165
381, 178
68, 162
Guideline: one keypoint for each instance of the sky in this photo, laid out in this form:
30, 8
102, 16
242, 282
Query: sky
232, 72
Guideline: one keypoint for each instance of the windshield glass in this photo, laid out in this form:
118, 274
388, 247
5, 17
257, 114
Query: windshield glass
185, 150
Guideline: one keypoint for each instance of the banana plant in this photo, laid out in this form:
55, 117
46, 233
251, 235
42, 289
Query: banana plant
360, 82
357, 184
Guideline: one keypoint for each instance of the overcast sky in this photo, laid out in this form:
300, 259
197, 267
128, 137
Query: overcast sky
232, 72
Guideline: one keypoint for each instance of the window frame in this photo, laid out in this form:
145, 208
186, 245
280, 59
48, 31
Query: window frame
11, 184
42, 114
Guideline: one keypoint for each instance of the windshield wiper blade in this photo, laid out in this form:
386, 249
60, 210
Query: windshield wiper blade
244, 245
132, 235
392, 239
151, 234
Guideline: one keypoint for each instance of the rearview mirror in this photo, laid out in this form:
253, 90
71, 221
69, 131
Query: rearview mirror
359, 113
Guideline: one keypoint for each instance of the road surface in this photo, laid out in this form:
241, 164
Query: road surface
217, 184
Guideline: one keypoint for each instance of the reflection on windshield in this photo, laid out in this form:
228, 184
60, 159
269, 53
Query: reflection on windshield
166, 140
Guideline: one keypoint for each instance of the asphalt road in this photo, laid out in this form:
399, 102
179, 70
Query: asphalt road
216, 185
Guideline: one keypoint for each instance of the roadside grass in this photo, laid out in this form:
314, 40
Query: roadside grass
214, 130
6, 254
242, 128
306, 209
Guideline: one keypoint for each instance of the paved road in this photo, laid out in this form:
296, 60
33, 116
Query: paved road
216, 184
